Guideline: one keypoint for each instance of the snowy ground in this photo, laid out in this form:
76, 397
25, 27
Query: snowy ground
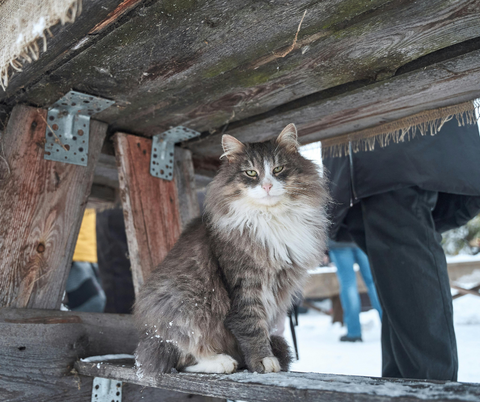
321, 351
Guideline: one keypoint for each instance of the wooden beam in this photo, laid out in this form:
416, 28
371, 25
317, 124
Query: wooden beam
42, 204
68, 41
38, 349
278, 387
205, 64
442, 84
150, 207
186, 188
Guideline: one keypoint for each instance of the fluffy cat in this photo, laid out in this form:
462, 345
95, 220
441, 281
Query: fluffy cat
212, 304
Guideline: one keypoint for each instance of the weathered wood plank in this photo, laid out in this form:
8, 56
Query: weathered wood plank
67, 41
42, 204
291, 387
186, 189
150, 206
38, 349
442, 84
204, 64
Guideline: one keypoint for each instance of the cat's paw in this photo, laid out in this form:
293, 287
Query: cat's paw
221, 364
271, 365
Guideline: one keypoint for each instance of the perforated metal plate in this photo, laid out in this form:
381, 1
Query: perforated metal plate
105, 390
68, 127
161, 162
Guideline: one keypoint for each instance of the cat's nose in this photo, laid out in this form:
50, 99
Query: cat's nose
267, 187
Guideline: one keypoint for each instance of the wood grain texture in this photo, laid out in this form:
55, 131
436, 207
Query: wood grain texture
67, 41
186, 188
204, 64
38, 349
42, 204
277, 387
150, 207
442, 84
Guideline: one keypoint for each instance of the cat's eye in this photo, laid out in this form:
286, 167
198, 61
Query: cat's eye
278, 169
251, 173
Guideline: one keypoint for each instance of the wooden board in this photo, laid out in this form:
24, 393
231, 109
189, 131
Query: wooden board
38, 349
205, 64
42, 204
186, 188
305, 387
441, 84
68, 41
150, 207
325, 284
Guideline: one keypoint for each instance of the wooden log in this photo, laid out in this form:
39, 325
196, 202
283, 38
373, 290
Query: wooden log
305, 387
205, 64
442, 84
42, 204
38, 349
150, 207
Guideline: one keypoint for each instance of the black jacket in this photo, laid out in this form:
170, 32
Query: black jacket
448, 163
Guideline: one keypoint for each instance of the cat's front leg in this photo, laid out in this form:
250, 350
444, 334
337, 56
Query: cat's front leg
247, 321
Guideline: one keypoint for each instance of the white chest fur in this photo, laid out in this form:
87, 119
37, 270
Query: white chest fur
288, 232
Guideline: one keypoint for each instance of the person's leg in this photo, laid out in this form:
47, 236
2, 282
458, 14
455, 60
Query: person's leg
356, 228
411, 275
362, 260
343, 260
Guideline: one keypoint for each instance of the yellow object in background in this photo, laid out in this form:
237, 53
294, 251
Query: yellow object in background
86, 248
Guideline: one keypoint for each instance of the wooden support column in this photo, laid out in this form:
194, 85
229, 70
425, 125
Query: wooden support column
184, 177
150, 207
41, 204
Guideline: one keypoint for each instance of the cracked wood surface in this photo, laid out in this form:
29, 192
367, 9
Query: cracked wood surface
289, 387
38, 349
150, 207
207, 63
42, 204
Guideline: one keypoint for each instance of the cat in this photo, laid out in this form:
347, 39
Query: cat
212, 304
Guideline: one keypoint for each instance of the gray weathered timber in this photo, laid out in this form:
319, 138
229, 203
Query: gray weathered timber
441, 84
38, 349
186, 189
67, 41
42, 204
203, 64
291, 387
106, 172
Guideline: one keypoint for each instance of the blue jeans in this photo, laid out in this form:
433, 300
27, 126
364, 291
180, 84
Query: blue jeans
344, 258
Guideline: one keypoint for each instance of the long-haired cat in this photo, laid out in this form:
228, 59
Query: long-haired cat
212, 304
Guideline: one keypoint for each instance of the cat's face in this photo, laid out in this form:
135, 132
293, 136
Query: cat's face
261, 173
265, 174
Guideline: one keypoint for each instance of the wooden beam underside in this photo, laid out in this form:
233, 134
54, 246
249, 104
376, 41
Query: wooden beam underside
356, 64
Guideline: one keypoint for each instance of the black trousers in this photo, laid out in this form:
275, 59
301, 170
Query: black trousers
397, 231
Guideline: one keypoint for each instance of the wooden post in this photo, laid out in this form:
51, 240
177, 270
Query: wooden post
150, 207
41, 204
184, 177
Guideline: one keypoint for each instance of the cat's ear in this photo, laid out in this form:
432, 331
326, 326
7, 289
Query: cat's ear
288, 138
231, 147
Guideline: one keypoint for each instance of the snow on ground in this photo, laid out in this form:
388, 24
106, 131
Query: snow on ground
321, 351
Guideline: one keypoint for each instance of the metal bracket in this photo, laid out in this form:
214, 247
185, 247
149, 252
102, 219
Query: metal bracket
68, 127
105, 390
163, 145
